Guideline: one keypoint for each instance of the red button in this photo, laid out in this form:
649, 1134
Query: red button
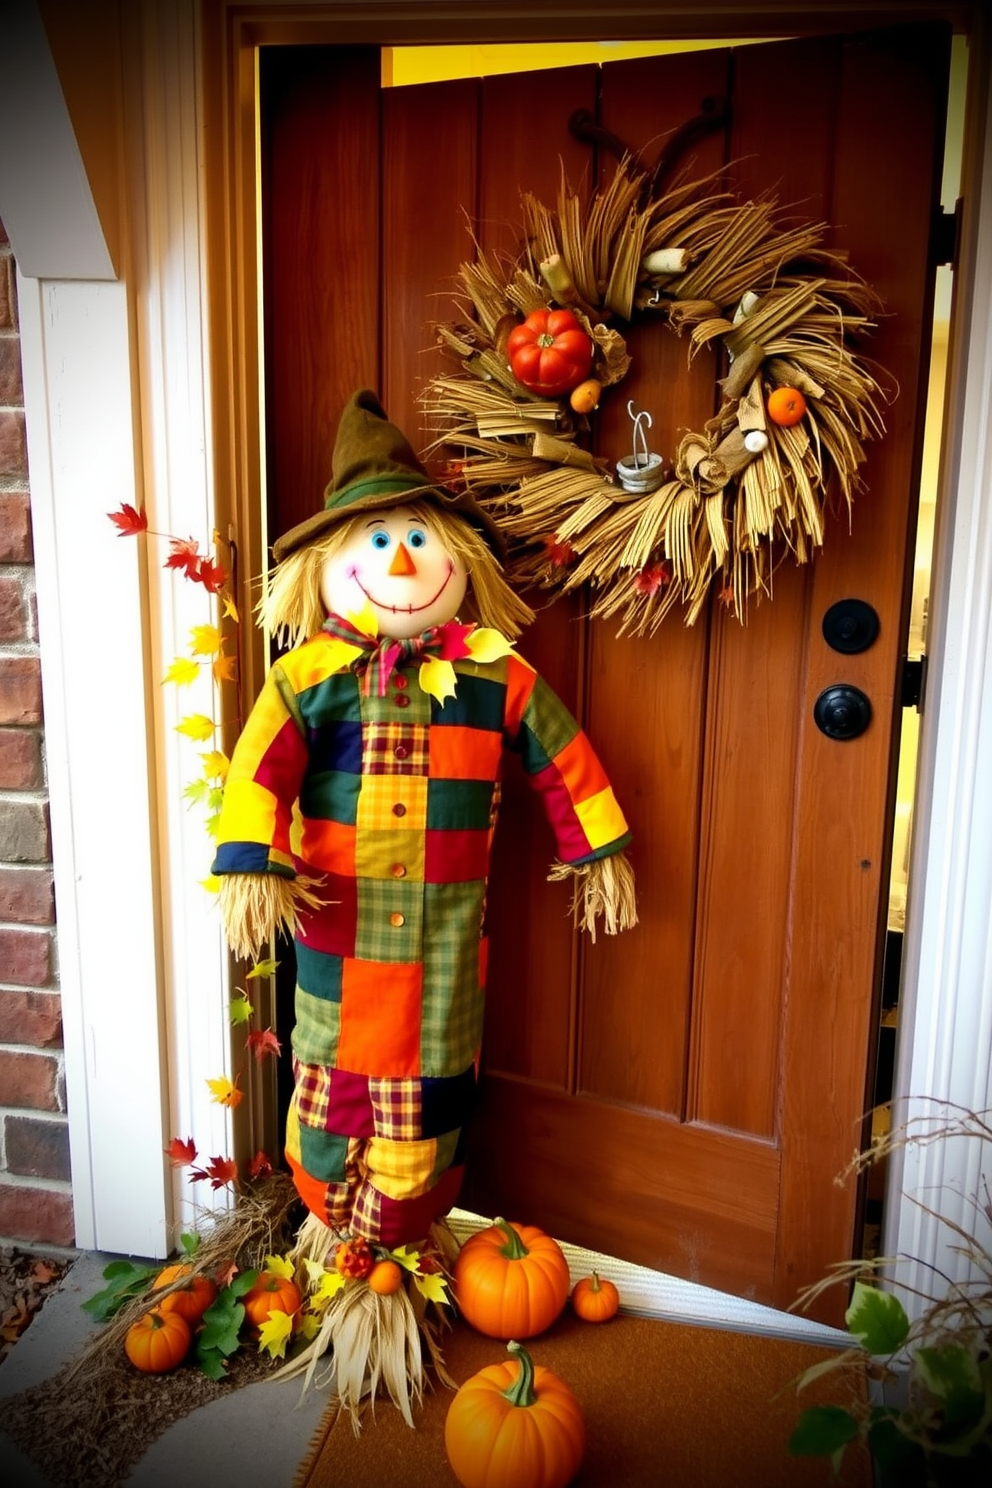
401, 751
399, 809
402, 701
401, 681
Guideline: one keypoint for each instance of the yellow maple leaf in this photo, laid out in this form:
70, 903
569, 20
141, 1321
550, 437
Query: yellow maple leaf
224, 667
309, 1325
196, 726
406, 1257
433, 1287
211, 883
437, 678
215, 765
329, 1285
275, 1333
264, 968
239, 1010
226, 1093
364, 619
280, 1266
183, 671
206, 640
486, 644
230, 608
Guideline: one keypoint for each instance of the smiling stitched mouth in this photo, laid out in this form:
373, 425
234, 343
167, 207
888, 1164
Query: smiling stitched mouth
409, 609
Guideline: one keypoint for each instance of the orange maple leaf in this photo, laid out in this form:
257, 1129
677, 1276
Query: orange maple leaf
225, 1093
180, 1153
128, 520
224, 668
225, 1274
262, 1043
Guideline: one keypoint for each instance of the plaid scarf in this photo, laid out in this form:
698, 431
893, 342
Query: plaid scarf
381, 657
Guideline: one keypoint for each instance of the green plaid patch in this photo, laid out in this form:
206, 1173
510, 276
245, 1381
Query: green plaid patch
546, 728
451, 1021
380, 901
318, 1028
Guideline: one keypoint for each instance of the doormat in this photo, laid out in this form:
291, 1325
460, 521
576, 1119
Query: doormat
663, 1403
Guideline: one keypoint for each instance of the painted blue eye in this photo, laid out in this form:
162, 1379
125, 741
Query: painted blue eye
417, 537
380, 539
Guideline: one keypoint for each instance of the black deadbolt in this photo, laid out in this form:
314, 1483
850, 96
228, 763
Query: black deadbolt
850, 626
842, 711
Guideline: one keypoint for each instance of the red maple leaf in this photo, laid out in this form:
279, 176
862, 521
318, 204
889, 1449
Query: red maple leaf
184, 554
558, 554
263, 1042
652, 577
128, 520
219, 1170
180, 1153
453, 646
259, 1167
210, 575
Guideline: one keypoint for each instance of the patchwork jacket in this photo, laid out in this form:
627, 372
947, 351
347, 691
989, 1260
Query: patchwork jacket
391, 801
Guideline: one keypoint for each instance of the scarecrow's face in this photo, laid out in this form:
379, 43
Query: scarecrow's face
401, 568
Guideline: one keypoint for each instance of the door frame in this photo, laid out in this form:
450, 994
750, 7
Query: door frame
206, 198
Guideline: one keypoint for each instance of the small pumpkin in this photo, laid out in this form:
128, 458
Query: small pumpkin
510, 1280
271, 1293
385, 1278
193, 1297
595, 1299
514, 1425
549, 352
353, 1258
158, 1341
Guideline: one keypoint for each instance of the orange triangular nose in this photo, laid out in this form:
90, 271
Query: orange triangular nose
402, 562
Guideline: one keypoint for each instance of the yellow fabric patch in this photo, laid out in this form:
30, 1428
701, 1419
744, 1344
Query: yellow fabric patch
391, 854
601, 818
401, 1170
293, 1130
312, 663
392, 801
249, 813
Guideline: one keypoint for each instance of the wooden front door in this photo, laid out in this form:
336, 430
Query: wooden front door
684, 1095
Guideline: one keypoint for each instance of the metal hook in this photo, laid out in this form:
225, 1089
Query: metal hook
640, 420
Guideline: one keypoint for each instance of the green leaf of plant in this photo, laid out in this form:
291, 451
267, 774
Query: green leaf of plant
952, 1375
126, 1280
822, 1431
243, 1282
239, 1010
877, 1319
190, 1243
211, 1361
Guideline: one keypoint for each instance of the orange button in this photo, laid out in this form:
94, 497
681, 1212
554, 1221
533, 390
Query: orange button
396, 920
398, 870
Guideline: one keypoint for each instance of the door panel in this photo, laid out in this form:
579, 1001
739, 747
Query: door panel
683, 1095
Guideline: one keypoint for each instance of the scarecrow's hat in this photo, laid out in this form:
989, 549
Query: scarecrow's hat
374, 466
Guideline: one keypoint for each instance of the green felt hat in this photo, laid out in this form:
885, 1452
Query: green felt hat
374, 466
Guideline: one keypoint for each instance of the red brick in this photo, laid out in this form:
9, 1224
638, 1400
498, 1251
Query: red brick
11, 383
29, 1081
15, 527
20, 759
8, 292
13, 610
20, 690
24, 832
27, 896
37, 1148
36, 1216
26, 956
13, 443
33, 1018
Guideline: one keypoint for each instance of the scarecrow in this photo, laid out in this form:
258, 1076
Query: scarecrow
358, 817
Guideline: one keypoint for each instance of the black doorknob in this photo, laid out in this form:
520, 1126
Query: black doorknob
842, 711
850, 626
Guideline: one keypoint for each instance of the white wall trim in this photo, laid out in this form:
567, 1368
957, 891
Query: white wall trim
945, 1014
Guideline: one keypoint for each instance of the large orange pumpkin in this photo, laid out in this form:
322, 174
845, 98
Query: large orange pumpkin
193, 1297
271, 1293
511, 1281
157, 1342
514, 1425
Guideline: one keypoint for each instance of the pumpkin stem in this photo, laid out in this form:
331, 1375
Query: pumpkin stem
514, 1249
521, 1392
594, 1285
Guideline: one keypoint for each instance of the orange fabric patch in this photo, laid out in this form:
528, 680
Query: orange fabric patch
459, 753
581, 771
329, 845
380, 1018
520, 680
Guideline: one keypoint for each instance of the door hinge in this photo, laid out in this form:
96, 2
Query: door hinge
945, 236
914, 678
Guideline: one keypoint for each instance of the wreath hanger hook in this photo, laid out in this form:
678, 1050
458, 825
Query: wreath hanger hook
643, 471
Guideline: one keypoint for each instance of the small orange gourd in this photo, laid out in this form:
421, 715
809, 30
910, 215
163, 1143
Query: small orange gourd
510, 1280
385, 1278
193, 1297
157, 1342
514, 1425
271, 1293
785, 406
595, 1299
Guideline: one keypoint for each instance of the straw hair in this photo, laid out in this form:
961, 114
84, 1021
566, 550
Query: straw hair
292, 610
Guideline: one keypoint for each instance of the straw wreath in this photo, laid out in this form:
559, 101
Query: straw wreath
738, 275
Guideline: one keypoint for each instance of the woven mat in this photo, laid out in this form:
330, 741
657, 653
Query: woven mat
663, 1403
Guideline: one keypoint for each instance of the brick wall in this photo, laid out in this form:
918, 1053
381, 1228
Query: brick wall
35, 1191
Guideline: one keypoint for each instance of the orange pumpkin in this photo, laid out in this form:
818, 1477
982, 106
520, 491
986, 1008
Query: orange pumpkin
595, 1299
271, 1293
511, 1281
158, 1341
385, 1278
514, 1426
193, 1297
786, 406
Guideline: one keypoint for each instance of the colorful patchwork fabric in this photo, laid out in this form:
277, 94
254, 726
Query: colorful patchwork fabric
391, 801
